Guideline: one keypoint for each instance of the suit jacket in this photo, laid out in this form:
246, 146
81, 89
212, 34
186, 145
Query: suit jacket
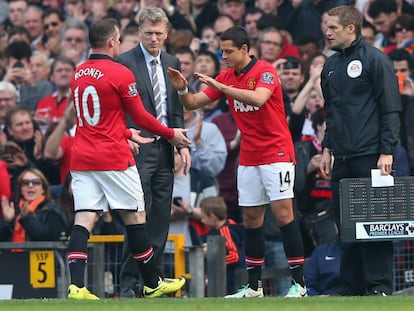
134, 59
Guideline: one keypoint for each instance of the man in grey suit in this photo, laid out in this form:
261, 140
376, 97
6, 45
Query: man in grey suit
155, 161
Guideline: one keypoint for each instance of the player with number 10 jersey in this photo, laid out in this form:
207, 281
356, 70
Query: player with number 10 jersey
100, 87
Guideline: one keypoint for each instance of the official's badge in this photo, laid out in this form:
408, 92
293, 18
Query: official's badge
354, 69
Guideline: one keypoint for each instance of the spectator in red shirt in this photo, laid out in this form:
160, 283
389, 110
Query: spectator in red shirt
50, 109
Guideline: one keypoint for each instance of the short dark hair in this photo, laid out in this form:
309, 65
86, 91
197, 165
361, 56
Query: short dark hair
101, 30
17, 30
292, 62
237, 35
253, 10
268, 20
367, 24
404, 21
214, 57
377, 7
18, 50
185, 50
51, 11
318, 118
401, 55
64, 60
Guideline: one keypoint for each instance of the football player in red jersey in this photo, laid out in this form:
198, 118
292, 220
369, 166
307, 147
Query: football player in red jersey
102, 164
267, 157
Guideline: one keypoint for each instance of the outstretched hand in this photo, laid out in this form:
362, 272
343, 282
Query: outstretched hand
209, 81
136, 137
180, 140
177, 79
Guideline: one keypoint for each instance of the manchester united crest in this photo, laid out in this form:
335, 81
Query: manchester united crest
251, 83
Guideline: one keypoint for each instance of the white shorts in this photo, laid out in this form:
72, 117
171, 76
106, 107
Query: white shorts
104, 190
258, 185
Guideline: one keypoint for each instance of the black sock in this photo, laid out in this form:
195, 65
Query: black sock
254, 248
78, 255
293, 245
143, 253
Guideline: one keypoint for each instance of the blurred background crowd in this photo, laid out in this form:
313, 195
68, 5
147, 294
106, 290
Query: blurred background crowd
42, 42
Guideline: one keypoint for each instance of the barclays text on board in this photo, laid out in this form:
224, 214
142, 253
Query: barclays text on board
381, 230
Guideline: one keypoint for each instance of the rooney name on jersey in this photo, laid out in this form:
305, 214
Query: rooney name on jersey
92, 72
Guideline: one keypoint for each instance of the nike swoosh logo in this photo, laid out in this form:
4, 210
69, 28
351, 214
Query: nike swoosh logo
150, 292
283, 190
330, 258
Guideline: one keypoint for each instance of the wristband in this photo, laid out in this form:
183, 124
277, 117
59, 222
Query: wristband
182, 92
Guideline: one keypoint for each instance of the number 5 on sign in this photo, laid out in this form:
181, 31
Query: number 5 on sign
42, 269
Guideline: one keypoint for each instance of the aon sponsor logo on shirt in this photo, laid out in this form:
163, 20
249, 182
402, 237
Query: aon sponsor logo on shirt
241, 107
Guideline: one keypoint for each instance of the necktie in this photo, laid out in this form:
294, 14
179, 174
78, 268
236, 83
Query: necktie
156, 90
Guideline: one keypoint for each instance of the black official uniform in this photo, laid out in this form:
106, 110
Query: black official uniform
363, 108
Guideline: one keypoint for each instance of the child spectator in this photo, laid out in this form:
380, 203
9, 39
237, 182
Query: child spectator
214, 217
322, 269
313, 191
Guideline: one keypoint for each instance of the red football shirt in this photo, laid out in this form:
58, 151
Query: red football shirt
55, 109
5, 188
103, 91
265, 134
64, 167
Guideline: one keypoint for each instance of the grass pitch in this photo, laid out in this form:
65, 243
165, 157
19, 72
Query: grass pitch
392, 303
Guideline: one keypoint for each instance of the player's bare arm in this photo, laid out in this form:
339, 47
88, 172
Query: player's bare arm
188, 100
257, 97
180, 140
